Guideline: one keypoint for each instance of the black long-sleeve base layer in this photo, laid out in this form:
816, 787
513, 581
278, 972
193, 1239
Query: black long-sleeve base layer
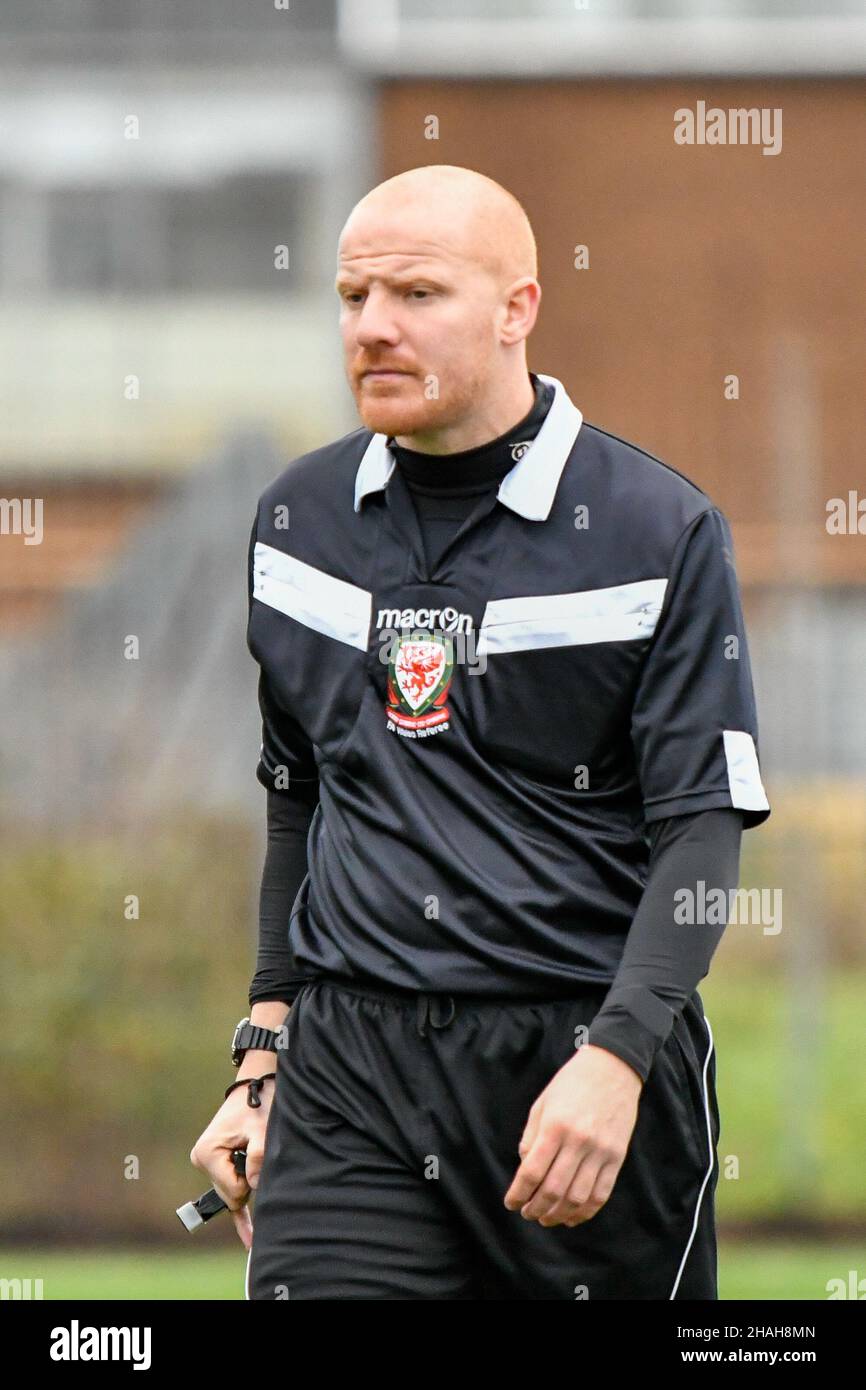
664, 959
289, 816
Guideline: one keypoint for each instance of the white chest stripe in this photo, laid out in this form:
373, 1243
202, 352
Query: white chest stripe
617, 614
343, 611
311, 596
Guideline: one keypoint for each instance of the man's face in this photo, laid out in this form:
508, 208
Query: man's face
418, 318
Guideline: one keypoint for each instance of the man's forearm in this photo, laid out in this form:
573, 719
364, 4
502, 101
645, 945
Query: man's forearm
664, 961
285, 867
267, 1013
270, 1013
284, 870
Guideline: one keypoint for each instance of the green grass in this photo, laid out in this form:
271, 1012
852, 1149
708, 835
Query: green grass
748, 1271
130, 1274
782, 1271
792, 1098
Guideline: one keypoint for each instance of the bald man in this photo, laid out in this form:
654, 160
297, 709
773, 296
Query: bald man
500, 737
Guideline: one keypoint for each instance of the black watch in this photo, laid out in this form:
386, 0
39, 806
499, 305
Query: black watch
252, 1035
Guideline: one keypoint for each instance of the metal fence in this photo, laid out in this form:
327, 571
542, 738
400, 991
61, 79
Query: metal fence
143, 694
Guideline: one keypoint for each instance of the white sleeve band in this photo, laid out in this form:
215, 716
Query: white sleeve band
744, 775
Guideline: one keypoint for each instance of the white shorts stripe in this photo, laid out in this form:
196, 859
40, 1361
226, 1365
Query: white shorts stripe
710, 1157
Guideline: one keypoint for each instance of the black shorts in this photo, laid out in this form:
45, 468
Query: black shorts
392, 1140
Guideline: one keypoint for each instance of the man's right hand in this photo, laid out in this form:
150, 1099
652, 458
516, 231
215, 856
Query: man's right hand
237, 1125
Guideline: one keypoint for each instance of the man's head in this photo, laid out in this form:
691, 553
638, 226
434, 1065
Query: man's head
437, 278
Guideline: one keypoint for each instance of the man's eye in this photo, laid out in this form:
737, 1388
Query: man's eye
419, 291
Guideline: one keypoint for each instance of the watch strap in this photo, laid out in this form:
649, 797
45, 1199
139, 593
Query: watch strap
253, 1037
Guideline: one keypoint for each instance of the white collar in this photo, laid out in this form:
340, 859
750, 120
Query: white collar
529, 487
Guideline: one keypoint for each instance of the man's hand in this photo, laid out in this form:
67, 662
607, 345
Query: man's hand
236, 1125
576, 1139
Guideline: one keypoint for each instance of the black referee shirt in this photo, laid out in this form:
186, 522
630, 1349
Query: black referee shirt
492, 735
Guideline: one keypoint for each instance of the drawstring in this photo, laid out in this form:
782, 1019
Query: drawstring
426, 1013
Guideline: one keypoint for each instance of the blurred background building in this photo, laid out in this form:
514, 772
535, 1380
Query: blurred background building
173, 179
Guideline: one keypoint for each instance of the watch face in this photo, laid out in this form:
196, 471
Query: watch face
236, 1057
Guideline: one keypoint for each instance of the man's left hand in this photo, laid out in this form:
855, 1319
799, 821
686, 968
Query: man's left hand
576, 1139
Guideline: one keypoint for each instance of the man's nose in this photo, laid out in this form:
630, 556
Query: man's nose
376, 322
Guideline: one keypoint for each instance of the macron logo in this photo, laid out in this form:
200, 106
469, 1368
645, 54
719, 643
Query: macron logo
448, 619
78, 1343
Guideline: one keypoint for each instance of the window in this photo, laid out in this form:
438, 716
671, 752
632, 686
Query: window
214, 239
